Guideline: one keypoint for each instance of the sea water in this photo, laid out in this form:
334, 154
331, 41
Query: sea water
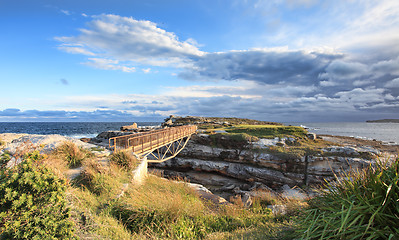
386, 132
70, 129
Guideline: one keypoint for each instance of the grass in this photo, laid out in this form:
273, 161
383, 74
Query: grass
361, 205
72, 154
269, 131
125, 159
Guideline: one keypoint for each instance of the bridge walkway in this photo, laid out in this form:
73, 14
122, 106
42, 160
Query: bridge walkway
158, 145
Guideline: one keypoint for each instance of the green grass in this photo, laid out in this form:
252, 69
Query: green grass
362, 205
269, 131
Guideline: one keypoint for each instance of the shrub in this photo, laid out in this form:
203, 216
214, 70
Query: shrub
124, 159
4, 158
32, 203
363, 205
73, 154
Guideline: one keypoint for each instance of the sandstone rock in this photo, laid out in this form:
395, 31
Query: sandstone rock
129, 127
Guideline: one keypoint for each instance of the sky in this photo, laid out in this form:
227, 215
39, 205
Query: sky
134, 60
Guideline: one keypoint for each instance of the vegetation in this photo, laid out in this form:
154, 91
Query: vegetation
73, 154
232, 141
124, 159
32, 202
37, 201
215, 122
362, 205
269, 131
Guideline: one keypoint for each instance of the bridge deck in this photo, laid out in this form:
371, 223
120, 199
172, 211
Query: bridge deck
144, 143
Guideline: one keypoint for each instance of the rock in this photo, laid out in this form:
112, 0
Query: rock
129, 127
228, 187
312, 136
293, 193
246, 200
86, 140
278, 209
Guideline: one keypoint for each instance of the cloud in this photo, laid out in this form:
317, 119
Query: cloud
66, 12
261, 65
109, 64
394, 83
310, 83
64, 81
128, 39
97, 115
146, 70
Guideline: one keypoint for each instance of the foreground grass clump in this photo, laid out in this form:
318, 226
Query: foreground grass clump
32, 202
73, 154
363, 205
124, 159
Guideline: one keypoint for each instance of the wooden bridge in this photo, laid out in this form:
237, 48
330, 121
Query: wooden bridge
158, 145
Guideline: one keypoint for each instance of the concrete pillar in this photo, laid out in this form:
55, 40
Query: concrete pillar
140, 173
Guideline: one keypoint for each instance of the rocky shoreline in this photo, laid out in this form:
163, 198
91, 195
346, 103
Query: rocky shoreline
228, 172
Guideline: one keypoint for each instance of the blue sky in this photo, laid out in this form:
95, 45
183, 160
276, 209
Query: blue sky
277, 60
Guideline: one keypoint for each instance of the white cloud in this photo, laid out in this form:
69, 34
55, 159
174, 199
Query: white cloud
128, 39
66, 12
109, 64
146, 70
393, 83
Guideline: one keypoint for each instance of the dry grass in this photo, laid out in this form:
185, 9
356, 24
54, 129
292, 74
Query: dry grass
167, 196
72, 154
125, 159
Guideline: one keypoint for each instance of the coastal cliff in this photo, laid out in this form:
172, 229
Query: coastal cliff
236, 156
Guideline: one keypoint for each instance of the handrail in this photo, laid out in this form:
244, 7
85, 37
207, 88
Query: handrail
142, 143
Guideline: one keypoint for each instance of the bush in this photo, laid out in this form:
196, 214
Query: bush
363, 205
124, 159
73, 154
32, 203
4, 158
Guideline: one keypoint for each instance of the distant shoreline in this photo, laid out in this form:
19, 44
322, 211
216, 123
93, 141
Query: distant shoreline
384, 121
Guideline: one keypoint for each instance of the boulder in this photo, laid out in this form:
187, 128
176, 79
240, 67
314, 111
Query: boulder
129, 127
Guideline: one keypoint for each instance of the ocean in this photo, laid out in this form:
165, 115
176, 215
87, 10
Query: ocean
387, 132
70, 129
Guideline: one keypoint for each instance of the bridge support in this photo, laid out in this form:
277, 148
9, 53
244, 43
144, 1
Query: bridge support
141, 171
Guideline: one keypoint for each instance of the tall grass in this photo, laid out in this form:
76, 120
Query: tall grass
124, 159
362, 205
170, 210
73, 154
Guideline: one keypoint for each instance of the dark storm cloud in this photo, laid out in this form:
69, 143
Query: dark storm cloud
266, 66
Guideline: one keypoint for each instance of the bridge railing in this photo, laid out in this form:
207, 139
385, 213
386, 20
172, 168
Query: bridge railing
142, 143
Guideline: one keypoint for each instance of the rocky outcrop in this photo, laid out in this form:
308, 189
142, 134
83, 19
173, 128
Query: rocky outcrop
129, 127
235, 170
